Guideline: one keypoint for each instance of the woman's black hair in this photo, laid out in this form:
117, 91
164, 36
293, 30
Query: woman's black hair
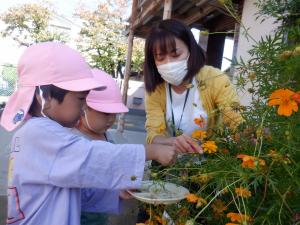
49, 91
163, 36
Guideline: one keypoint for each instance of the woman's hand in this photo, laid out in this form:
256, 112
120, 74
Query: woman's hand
185, 144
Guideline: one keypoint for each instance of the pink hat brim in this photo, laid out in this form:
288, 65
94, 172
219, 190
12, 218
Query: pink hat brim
84, 84
108, 107
17, 107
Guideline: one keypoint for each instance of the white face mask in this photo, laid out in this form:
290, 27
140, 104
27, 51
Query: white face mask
173, 72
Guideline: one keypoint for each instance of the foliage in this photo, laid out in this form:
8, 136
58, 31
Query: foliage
29, 23
253, 177
102, 38
9, 76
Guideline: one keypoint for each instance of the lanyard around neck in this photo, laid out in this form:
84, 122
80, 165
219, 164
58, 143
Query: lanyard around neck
173, 121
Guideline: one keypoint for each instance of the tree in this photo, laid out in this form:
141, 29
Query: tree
29, 23
9, 75
102, 37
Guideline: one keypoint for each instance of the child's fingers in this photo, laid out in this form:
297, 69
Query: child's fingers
125, 195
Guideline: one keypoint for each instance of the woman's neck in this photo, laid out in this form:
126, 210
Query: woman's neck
179, 89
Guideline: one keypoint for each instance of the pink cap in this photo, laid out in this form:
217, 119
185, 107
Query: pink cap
44, 64
108, 100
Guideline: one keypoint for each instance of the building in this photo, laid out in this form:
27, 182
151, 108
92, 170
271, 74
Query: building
208, 17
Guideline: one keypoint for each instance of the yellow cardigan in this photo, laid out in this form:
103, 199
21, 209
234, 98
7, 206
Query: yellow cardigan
218, 97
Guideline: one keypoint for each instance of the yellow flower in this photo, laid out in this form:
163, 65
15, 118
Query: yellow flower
199, 134
210, 147
251, 161
283, 98
231, 224
192, 198
236, 217
278, 157
202, 179
243, 192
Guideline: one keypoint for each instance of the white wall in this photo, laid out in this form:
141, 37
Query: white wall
256, 30
135, 89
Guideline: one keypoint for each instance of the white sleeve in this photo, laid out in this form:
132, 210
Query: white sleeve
63, 159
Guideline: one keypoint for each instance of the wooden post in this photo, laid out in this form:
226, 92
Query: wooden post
121, 121
167, 9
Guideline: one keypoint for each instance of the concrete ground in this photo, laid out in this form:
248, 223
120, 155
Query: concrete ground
134, 133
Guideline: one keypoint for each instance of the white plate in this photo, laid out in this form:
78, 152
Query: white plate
154, 192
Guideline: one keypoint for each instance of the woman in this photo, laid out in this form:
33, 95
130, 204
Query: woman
180, 88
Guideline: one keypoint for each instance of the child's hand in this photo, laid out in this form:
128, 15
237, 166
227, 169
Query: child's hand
125, 195
164, 154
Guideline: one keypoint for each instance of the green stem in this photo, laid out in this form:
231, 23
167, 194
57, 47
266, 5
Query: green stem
217, 194
261, 136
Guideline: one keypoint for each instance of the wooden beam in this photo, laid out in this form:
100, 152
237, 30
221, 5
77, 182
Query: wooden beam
148, 11
167, 9
185, 8
198, 15
121, 122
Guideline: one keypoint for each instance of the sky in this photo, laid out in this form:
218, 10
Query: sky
66, 7
62, 7
10, 48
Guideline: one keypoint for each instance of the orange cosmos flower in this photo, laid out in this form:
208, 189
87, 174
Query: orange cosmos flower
283, 98
192, 198
232, 224
243, 192
250, 161
236, 217
160, 220
218, 208
296, 97
200, 121
209, 146
199, 134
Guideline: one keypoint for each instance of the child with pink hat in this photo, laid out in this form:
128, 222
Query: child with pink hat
49, 165
98, 117
102, 108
